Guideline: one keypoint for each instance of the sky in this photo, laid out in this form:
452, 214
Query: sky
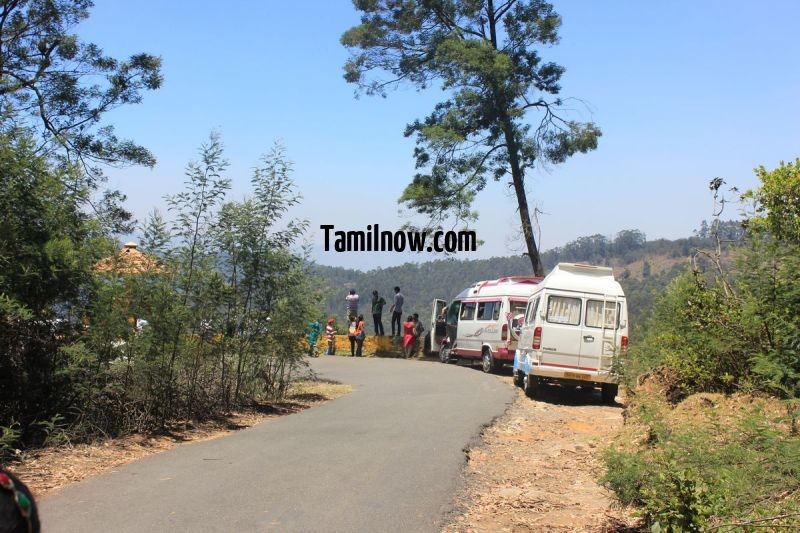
683, 91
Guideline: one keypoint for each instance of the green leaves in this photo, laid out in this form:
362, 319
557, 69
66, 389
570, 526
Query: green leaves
61, 87
777, 201
485, 57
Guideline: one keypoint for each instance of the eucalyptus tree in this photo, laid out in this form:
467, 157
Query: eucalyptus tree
484, 54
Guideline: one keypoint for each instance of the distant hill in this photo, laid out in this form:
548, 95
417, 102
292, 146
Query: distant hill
643, 269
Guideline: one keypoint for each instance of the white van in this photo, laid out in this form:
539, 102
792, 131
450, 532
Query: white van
479, 322
575, 323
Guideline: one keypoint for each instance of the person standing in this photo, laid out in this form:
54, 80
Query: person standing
408, 336
314, 329
352, 330
419, 329
377, 310
361, 334
351, 304
330, 332
397, 311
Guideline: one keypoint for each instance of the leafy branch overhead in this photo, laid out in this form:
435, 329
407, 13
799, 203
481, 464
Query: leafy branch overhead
484, 56
60, 87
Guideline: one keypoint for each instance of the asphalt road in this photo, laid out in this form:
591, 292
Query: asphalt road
386, 457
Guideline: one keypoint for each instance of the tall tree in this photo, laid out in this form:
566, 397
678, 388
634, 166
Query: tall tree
60, 88
483, 52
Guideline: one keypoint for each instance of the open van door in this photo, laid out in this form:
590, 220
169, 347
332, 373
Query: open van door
438, 327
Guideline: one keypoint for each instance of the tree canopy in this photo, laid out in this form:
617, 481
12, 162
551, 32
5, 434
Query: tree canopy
485, 56
60, 87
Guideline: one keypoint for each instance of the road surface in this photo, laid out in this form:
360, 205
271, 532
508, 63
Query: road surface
386, 457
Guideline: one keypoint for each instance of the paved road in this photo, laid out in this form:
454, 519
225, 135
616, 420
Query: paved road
386, 457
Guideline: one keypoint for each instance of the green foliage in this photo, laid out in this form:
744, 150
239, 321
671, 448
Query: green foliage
777, 202
485, 56
722, 328
62, 87
709, 470
215, 322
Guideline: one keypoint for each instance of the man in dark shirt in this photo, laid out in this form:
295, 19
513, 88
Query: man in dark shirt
377, 310
397, 312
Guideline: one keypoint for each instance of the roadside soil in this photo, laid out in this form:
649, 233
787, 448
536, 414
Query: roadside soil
47, 470
536, 468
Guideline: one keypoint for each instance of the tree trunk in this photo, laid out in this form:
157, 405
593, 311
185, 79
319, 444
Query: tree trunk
518, 180
517, 174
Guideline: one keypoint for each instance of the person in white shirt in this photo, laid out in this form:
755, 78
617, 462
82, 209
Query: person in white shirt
351, 304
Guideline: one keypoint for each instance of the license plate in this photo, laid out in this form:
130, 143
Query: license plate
576, 375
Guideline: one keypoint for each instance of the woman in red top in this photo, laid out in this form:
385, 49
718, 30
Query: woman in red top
408, 336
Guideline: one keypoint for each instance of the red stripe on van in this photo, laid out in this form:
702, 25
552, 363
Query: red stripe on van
571, 366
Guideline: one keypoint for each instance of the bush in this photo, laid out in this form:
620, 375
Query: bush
711, 460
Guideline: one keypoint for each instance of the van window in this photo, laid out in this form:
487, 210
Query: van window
517, 307
598, 315
467, 311
563, 310
532, 310
488, 310
452, 312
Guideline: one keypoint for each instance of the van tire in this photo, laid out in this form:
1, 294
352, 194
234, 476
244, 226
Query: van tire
530, 384
426, 345
518, 379
489, 365
608, 391
444, 354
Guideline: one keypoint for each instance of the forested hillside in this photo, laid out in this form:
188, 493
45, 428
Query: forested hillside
643, 268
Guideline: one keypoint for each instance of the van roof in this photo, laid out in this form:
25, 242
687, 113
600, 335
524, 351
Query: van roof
583, 278
506, 286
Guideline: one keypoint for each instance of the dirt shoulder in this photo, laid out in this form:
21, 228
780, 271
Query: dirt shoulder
537, 466
49, 469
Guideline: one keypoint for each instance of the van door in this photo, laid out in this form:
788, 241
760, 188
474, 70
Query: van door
561, 330
438, 329
467, 343
600, 338
525, 344
452, 320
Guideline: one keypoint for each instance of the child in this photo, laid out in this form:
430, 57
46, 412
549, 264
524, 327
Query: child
330, 331
313, 332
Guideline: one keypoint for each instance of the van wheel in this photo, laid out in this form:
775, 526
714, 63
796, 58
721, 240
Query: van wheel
608, 392
426, 346
530, 384
444, 354
518, 378
489, 364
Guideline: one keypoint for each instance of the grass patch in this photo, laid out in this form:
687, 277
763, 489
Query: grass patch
711, 462
316, 390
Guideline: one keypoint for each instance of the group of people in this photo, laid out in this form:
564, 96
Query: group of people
411, 330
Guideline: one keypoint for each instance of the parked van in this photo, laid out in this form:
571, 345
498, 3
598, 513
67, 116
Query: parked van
575, 323
479, 322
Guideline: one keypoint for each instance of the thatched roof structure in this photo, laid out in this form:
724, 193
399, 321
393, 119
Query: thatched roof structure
129, 261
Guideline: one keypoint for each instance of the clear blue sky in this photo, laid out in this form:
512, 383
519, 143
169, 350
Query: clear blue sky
683, 91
